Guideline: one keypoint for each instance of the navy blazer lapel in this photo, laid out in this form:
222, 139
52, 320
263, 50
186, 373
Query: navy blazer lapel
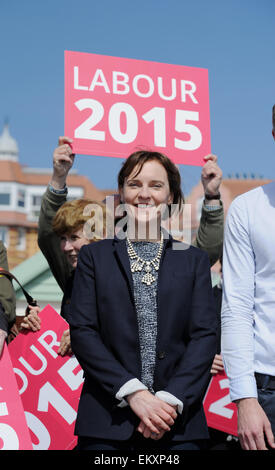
123, 259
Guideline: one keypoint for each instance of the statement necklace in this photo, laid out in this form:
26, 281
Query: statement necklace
138, 264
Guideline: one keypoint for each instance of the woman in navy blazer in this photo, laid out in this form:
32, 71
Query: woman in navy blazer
143, 323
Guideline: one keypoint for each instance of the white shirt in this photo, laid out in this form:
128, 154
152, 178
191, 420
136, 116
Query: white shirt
248, 307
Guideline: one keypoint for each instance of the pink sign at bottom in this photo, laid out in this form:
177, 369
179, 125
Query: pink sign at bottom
220, 412
49, 384
14, 432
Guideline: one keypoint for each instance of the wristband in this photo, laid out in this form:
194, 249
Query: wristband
58, 191
214, 196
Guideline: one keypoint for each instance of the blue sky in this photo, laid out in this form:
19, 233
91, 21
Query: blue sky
233, 39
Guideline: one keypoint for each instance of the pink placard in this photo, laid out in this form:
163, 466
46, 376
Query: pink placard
14, 432
114, 105
49, 384
220, 412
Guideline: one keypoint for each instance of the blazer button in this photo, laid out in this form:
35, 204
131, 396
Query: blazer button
161, 355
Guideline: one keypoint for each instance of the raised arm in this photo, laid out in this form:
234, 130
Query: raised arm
53, 199
210, 233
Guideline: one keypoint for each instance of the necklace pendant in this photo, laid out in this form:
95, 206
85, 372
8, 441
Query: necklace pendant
136, 266
155, 263
148, 279
148, 268
139, 264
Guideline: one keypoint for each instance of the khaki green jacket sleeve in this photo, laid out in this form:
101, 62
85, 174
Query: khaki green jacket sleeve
7, 294
48, 241
210, 233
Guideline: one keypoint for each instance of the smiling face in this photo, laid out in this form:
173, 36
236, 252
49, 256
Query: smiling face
146, 191
70, 245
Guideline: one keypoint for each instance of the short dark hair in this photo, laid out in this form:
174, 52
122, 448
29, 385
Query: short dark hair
137, 159
273, 117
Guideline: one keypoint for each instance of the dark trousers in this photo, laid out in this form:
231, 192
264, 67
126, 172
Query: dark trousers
266, 399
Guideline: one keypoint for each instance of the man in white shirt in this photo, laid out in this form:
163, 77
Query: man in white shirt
248, 313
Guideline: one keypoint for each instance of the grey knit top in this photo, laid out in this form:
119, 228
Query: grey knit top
146, 307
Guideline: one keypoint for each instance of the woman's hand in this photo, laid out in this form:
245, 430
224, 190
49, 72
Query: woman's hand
145, 431
63, 159
217, 365
32, 321
65, 344
156, 414
211, 175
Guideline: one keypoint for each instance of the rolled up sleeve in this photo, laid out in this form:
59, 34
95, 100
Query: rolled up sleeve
237, 316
